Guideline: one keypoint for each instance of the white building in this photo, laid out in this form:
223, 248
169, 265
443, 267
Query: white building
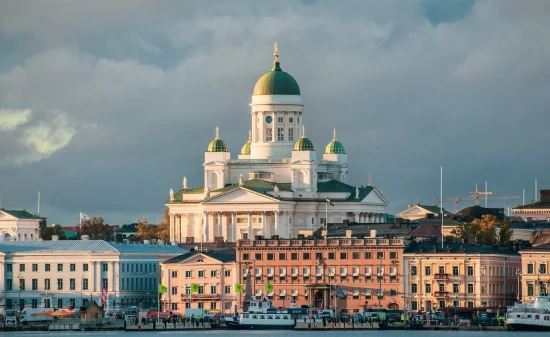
277, 185
19, 226
46, 274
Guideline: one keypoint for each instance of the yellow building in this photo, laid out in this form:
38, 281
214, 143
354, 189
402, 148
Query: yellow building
534, 271
459, 275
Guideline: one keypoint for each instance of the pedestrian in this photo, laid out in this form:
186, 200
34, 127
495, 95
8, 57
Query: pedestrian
193, 320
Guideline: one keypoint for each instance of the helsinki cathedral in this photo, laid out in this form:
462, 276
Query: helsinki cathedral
277, 186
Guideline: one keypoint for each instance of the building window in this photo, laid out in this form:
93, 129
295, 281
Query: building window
280, 119
470, 304
258, 256
455, 270
306, 256
530, 268
470, 270
355, 255
414, 288
21, 267
414, 305
542, 269
201, 273
34, 303
428, 271
59, 267
187, 273
72, 302
281, 134
470, 288
530, 289
201, 290
47, 284
290, 134
455, 288
105, 267
442, 269
72, 284
282, 256
213, 305
413, 270
73, 267
228, 289
200, 305
331, 256
22, 284
59, 284
393, 255
268, 134
270, 256
85, 284
246, 256
294, 256
213, 290
441, 286
343, 256
174, 306
34, 267
174, 274
187, 290
47, 267
9, 284
9, 267
441, 304
380, 255
428, 288
174, 290
187, 305
104, 283
85, 267
227, 273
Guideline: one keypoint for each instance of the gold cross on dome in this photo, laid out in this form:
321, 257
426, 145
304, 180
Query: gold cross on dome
217, 132
276, 53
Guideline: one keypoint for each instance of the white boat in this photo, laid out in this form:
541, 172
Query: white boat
262, 315
532, 316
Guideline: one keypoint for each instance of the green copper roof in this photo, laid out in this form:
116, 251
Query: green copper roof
304, 144
245, 150
22, 214
276, 82
335, 147
217, 145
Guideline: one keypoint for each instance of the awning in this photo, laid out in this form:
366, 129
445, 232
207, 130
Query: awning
356, 272
306, 272
295, 273
282, 272
368, 292
368, 271
380, 292
356, 292
343, 273
317, 286
319, 272
259, 272
331, 272
282, 292
259, 292
270, 272
270, 294
294, 292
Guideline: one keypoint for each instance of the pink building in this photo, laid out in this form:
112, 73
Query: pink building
539, 210
213, 271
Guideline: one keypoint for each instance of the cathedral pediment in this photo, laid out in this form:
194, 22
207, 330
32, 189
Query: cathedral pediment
240, 195
375, 197
215, 163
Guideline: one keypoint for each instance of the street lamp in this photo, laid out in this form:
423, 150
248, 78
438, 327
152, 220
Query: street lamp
518, 274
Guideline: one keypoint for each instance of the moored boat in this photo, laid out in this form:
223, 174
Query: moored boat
261, 315
530, 317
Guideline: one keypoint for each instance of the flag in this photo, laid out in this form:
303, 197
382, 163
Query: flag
330, 202
239, 288
83, 217
268, 287
340, 293
163, 289
104, 296
194, 287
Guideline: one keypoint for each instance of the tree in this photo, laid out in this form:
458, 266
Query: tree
147, 231
465, 230
46, 233
505, 234
163, 227
96, 229
484, 230
487, 229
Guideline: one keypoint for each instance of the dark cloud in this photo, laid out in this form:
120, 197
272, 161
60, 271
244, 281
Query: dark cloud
126, 95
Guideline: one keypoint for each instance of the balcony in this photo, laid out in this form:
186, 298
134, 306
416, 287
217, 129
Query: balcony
441, 276
441, 293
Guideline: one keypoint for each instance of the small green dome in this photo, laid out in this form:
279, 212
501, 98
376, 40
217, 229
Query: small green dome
217, 145
276, 82
304, 144
335, 147
245, 150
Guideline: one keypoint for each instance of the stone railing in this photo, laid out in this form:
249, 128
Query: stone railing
339, 242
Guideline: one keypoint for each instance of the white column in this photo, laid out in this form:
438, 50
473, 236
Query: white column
177, 228
171, 227
356, 216
250, 232
234, 226
225, 224
206, 234
276, 228
220, 224
265, 229
98, 276
197, 224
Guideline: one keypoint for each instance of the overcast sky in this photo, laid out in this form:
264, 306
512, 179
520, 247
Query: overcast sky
106, 105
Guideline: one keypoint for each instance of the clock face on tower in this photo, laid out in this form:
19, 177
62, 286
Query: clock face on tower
268, 119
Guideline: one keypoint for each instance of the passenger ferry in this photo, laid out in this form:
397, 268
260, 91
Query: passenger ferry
532, 316
263, 315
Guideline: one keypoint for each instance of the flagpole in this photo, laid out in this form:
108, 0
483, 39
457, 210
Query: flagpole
326, 219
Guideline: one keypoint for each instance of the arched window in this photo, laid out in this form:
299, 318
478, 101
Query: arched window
214, 180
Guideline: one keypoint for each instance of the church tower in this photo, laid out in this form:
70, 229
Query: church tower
276, 110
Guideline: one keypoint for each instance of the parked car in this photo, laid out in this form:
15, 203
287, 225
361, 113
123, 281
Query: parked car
464, 321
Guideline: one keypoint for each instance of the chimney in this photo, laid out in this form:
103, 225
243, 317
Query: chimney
544, 195
398, 221
274, 237
471, 240
84, 237
259, 237
324, 233
373, 233
348, 233
55, 237
301, 236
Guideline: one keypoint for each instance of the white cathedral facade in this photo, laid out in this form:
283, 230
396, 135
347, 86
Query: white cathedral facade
277, 185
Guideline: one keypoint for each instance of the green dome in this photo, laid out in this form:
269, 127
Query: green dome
304, 144
276, 82
335, 147
217, 145
245, 150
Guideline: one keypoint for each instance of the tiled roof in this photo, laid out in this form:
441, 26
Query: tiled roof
538, 204
544, 247
97, 246
427, 230
22, 214
339, 230
437, 221
433, 209
220, 255
455, 248
477, 212
542, 238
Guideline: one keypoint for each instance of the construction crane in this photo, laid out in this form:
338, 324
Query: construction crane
475, 197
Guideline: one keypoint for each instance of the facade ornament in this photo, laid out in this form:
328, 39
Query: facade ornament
276, 191
241, 180
276, 53
334, 134
171, 195
356, 192
206, 191
185, 183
